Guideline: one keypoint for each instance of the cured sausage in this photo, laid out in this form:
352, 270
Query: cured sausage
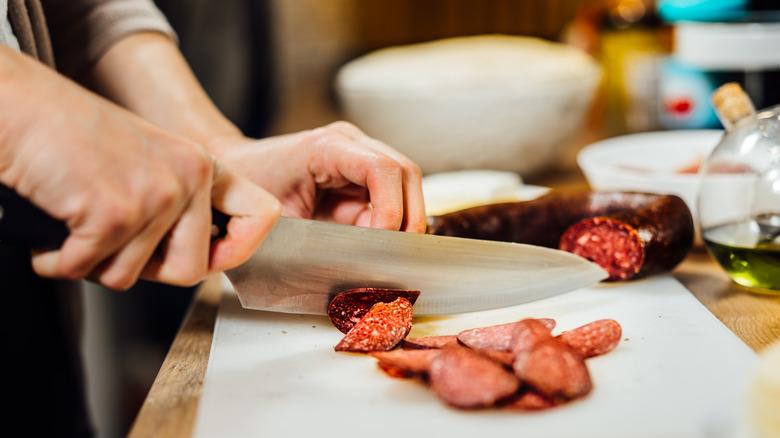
627, 234
465, 379
429, 342
554, 370
381, 329
595, 338
498, 337
347, 307
406, 363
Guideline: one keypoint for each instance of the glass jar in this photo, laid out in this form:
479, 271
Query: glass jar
739, 201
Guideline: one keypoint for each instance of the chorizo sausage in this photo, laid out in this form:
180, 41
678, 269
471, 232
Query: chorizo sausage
627, 234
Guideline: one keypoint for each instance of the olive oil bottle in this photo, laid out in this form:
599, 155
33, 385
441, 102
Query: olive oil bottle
745, 256
747, 243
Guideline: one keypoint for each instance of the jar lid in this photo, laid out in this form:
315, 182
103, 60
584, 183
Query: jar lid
728, 46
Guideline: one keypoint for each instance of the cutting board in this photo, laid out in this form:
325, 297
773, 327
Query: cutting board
677, 373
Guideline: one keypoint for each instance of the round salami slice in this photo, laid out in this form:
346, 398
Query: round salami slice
595, 338
429, 342
528, 332
381, 329
466, 379
406, 363
554, 370
346, 308
496, 337
506, 358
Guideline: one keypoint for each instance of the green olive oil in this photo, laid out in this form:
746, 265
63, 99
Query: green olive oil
748, 260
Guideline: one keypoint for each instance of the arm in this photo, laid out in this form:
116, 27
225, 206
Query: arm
147, 74
136, 199
335, 172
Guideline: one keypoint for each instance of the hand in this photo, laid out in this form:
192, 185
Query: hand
137, 200
335, 172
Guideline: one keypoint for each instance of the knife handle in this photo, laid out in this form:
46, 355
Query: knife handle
25, 225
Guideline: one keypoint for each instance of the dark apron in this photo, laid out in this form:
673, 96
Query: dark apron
41, 360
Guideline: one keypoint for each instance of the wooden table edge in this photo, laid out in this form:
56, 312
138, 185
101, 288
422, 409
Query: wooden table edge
171, 405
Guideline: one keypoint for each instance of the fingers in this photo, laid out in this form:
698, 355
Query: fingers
393, 181
124, 268
384, 181
92, 240
254, 213
414, 205
182, 257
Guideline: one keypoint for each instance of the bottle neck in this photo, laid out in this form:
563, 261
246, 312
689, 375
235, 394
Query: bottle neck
732, 104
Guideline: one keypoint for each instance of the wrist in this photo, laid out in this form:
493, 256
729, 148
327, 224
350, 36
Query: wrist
221, 143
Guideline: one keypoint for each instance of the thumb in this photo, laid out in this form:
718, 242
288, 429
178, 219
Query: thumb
253, 214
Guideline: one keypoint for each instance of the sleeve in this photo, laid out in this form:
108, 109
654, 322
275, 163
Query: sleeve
83, 30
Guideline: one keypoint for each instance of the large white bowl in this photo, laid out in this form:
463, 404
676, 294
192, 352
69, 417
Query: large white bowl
487, 102
649, 162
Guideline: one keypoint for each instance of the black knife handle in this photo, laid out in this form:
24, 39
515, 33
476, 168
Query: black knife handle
24, 224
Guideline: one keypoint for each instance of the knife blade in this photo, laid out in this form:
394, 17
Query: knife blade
303, 263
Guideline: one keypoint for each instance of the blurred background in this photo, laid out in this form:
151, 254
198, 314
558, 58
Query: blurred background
273, 67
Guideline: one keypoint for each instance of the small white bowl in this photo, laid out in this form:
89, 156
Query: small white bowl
649, 162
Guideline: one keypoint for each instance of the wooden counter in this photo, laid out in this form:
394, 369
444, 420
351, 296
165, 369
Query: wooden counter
170, 407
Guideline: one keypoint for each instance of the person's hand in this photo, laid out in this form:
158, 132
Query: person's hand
137, 201
335, 172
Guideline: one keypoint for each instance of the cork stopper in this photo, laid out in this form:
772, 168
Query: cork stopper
732, 104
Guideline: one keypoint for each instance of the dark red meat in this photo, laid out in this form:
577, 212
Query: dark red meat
595, 338
645, 234
466, 379
346, 308
381, 329
497, 337
406, 363
429, 342
554, 370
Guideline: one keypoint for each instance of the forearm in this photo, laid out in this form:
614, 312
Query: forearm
23, 82
147, 74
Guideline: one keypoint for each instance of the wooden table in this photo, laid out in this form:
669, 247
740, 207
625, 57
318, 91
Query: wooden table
172, 402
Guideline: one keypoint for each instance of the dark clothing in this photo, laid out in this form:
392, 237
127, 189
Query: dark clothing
41, 356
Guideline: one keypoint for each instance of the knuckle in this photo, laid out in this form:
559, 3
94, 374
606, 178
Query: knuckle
200, 167
118, 217
324, 137
343, 126
167, 193
386, 164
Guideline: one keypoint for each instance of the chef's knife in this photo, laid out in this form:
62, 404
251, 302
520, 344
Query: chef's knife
303, 263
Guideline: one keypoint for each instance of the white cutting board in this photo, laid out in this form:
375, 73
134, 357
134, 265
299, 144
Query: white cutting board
678, 373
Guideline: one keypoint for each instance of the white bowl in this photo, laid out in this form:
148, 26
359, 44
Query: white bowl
649, 162
450, 191
487, 102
